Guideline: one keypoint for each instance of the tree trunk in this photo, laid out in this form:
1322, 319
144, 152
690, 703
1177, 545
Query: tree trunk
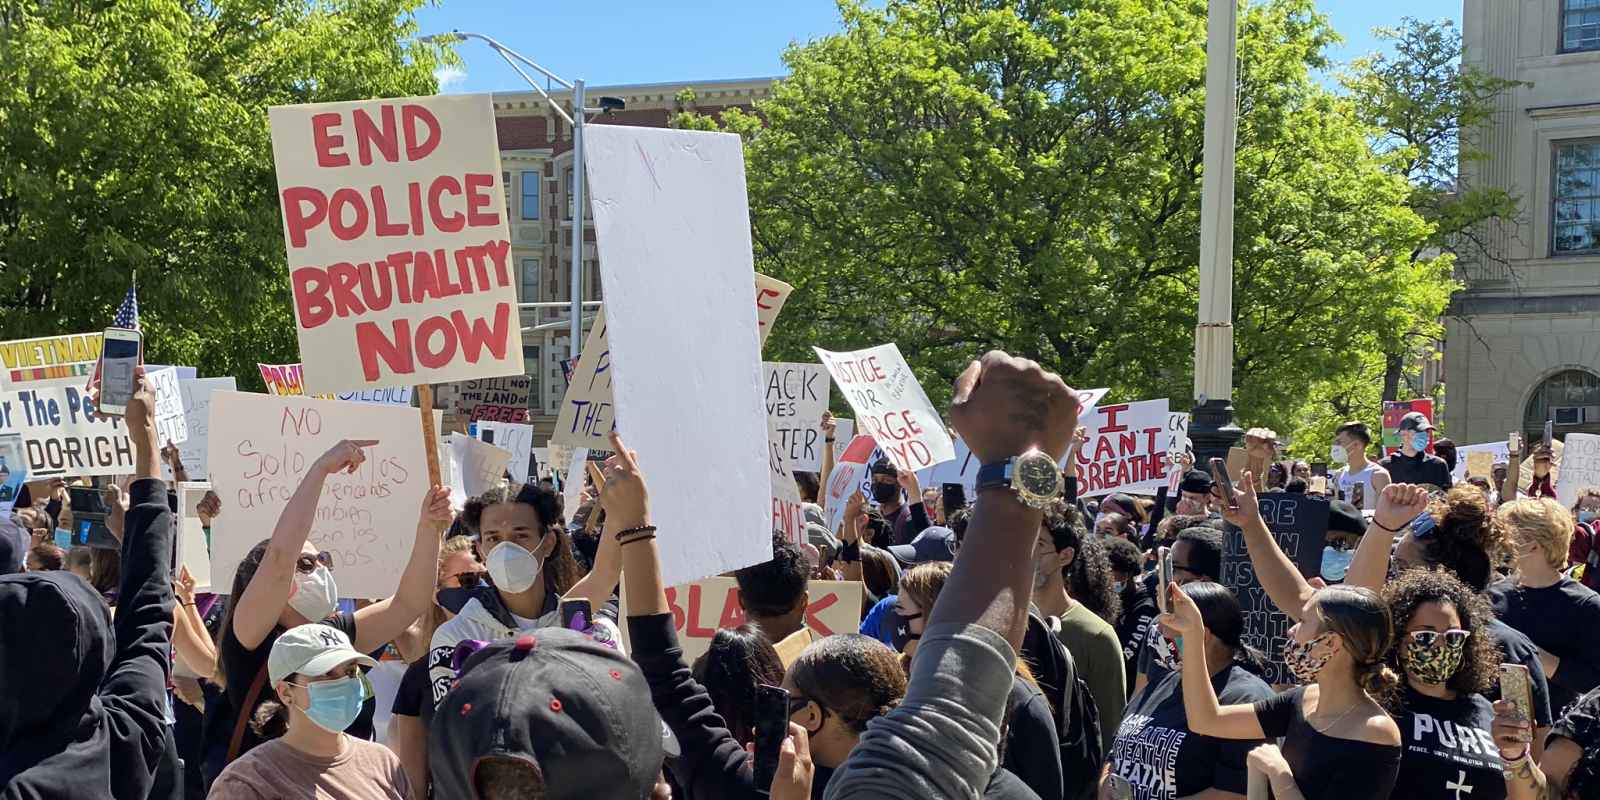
1393, 367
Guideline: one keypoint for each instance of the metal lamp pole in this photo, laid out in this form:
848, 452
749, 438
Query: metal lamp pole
512, 57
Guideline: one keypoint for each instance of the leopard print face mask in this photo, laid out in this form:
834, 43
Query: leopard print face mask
1433, 659
1302, 663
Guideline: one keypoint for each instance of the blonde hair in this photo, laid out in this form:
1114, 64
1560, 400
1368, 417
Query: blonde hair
452, 546
1543, 521
924, 582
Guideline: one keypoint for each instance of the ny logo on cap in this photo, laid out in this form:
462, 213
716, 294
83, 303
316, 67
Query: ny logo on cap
330, 639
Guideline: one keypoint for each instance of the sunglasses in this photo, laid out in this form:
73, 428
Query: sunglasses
1452, 637
307, 563
466, 580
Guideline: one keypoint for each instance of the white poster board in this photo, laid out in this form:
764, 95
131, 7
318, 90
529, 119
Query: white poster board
261, 446
588, 413
890, 405
843, 432
49, 360
171, 425
196, 393
672, 227
475, 468
848, 472
394, 220
771, 294
516, 439
1580, 467
62, 435
1126, 451
797, 394
574, 479
1498, 454
192, 549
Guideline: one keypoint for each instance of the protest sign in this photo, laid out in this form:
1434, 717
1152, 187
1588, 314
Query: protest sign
13, 471
963, 469
288, 380
1177, 445
171, 425
797, 394
588, 413
771, 294
1126, 450
702, 607
672, 229
498, 399
193, 551
62, 435
849, 470
1580, 467
49, 360
516, 439
196, 394
1299, 524
573, 481
262, 446
399, 259
475, 468
843, 432
787, 516
890, 405
1478, 460
1393, 411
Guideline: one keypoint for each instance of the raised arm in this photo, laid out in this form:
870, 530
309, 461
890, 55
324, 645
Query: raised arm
830, 428
1284, 584
1508, 492
386, 619
263, 600
190, 640
601, 581
1398, 505
1206, 716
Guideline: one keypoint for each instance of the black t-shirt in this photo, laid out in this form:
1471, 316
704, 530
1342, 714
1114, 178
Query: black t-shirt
1162, 759
1581, 723
1032, 749
1515, 648
1131, 627
1158, 658
1325, 766
1562, 620
1448, 749
241, 667
1422, 469
414, 692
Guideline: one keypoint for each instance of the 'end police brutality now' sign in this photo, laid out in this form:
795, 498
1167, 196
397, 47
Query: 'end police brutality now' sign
63, 435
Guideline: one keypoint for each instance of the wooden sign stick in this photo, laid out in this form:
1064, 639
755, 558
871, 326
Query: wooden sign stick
430, 437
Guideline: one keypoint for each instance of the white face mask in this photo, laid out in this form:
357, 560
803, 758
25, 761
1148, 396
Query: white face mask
1337, 455
315, 595
513, 568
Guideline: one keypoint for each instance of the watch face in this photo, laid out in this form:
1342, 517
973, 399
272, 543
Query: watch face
1036, 474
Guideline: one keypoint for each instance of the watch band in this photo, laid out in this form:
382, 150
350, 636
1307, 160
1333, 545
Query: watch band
995, 476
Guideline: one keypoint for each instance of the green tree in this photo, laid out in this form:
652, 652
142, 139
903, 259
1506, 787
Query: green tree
133, 138
956, 175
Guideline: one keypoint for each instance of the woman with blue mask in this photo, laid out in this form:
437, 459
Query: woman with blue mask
1585, 551
317, 677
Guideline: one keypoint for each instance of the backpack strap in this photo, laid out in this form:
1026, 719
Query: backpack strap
245, 713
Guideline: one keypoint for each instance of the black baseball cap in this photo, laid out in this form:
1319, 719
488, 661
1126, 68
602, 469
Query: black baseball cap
933, 544
576, 709
1195, 482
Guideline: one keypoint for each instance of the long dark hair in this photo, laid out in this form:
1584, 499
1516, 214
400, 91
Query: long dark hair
1224, 619
241, 581
1090, 582
1480, 658
739, 660
561, 569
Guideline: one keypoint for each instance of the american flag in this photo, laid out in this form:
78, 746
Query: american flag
127, 317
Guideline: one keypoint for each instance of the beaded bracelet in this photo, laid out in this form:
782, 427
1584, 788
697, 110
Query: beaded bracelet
639, 534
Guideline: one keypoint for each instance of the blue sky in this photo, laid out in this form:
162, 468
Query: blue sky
649, 41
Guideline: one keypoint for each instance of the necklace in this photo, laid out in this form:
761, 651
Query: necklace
1335, 723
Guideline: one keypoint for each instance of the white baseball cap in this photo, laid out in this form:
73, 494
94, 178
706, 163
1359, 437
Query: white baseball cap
313, 649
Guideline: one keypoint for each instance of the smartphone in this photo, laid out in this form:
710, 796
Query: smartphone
1516, 688
488, 436
1549, 432
955, 498
1358, 495
575, 615
1319, 468
118, 360
1219, 473
1319, 484
1514, 442
772, 726
1164, 577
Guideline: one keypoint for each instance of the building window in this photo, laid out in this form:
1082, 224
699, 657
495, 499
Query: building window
569, 193
1576, 215
530, 367
530, 280
530, 195
1580, 25
1570, 398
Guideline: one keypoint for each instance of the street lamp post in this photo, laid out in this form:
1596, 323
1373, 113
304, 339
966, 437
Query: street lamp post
1211, 427
579, 112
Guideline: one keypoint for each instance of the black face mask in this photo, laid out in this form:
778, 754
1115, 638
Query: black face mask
902, 631
886, 493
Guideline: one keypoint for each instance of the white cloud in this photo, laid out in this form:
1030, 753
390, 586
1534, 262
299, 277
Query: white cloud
449, 78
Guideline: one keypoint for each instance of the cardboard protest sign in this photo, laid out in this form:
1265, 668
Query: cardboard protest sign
1127, 449
62, 435
49, 360
13, 471
193, 551
475, 468
890, 405
171, 425
1580, 467
672, 229
588, 412
261, 447
1299, 524
771, 294
848, 472
498, 399
196, 398
1478, 460
514, 438
1393, 411
394, 220
797, 394
700, 608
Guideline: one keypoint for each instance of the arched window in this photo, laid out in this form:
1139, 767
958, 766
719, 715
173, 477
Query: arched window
1571, 398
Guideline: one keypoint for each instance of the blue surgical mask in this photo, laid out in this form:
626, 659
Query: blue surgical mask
335, 704
1419, 440
1335, 563
1586, 517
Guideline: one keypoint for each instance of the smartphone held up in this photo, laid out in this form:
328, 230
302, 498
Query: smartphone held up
119, 363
